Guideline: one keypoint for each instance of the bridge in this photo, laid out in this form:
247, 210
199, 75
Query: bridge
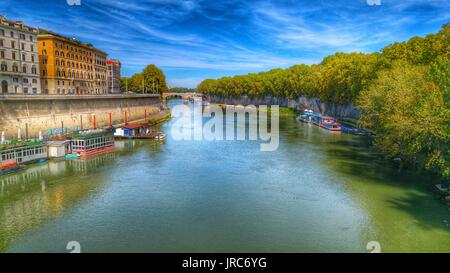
184, 96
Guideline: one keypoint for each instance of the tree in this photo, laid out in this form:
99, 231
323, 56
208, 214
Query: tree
150, 80
154, 80
407, 110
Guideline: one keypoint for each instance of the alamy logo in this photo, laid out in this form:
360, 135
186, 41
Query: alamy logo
373, 2
190, 124
73, 2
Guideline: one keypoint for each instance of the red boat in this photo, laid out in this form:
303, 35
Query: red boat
8, 167
330, 123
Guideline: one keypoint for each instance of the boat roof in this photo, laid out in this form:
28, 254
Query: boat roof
135, 126
20, 145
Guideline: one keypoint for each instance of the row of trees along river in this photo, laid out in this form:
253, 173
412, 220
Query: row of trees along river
403, 92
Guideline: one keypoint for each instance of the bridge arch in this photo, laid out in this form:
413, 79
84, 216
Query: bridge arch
185, 96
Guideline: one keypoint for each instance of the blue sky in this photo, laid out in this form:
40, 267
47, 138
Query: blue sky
193, 39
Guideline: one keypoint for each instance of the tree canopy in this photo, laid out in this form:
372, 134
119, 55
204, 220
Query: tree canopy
150, 80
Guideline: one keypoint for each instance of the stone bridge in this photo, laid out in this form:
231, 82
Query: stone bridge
184, 96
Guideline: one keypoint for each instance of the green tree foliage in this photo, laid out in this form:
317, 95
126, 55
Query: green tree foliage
154, 80
407, 109
150, 80
339, 79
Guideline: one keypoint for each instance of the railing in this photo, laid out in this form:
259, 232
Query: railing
71, 96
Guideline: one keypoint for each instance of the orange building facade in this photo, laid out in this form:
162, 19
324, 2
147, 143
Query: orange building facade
68, 66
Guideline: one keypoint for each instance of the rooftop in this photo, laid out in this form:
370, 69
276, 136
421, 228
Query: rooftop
14, 144
44, 33
19, 25
136, 126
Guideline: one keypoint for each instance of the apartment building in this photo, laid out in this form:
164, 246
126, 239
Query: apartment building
69, 66
113, 76
19, 61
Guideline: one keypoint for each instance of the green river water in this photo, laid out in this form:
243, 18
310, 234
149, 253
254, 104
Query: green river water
319, 192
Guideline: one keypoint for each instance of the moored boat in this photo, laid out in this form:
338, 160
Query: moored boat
92, 142
325, 122
330, 123
137, 131
9, 167
354, 131
23, 152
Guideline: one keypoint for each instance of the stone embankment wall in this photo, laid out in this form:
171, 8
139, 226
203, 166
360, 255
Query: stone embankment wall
43, 112
348, 111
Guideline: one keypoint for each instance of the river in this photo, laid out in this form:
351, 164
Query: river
318, 192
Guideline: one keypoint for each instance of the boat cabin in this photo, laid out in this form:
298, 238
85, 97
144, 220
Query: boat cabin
59, 148
90, 142
132, 130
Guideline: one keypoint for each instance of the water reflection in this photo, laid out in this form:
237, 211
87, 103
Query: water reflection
42, 192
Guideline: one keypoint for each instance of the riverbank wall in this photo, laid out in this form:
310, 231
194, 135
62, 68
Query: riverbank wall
43, 112
348, 112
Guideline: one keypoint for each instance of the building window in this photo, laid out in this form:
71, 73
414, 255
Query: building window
2, 54
31, 38
24, 57
2, 32
33, 70
4, 87
13, 55
15, 80
13, 44
25, 90
1, 43
34, 90
22, 45
32, 58
24, 69
4, 67
15, 68
25, 80
32, 47
34, 81
11, 33
22, 36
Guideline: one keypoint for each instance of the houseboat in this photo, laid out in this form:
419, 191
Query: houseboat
13, 154
137, 131
92, 142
